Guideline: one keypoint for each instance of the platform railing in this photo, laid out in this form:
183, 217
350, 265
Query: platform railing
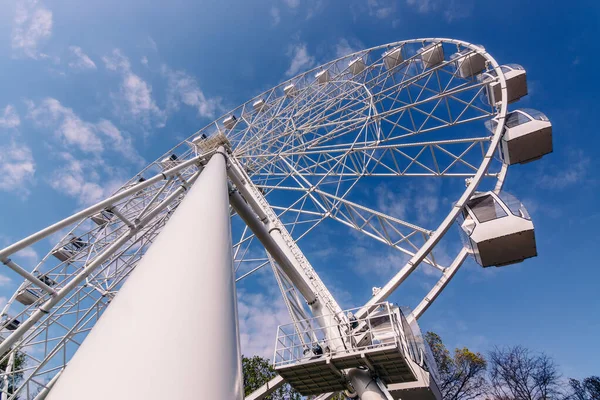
384, 326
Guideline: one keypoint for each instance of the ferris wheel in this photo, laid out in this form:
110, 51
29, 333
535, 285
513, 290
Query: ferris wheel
246, 192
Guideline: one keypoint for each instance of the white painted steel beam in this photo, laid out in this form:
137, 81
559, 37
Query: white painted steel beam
186, 334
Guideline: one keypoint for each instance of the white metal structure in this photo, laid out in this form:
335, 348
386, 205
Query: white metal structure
301, 157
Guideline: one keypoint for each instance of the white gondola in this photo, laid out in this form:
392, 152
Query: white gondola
392, 58
527, 136
323, 77
62, 253
498, 229
199, 139
356, 66
47, 280
230, 122
26, 297
290, 90
102, 218
432, 55
469, 63
259, 105
12, 324
516, 83
169, 162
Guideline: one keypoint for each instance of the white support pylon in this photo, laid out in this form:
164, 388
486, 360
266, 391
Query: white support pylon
171, 332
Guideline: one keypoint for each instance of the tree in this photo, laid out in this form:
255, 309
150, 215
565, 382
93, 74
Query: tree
17, 367
258, 371
589, 389
462, 376
516, 373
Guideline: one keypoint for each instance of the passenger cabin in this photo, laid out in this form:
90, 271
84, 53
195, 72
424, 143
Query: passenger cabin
290, 90
12, 324
392, 58
47, 280
259, 105
432, 55
102, 218
168, 162
516, 83
498, 229
356, 66
469, 63
27, 297
69, 249
527, 136
230, 122
323, 76
199, 139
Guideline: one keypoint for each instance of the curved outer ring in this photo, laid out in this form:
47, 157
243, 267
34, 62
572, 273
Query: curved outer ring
437, 235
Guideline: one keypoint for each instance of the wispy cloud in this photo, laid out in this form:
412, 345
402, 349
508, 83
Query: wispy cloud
422, 6
451, 9
80, 59
344, 47
79, 178
275, 15
17, 168
559, 177
135, 93
259, 316
183, 88
86, 136
9, 117
31, 26
292, 3
71, 129
381, 9
300, 59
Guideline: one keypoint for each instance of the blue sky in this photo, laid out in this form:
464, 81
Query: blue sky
91, 92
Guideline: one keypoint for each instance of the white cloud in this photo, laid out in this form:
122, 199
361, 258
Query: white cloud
29, 255
292, 3
81, 60
144, 60
301, 60
259, 316
135, 93
381, 8
183, 88
79, 179
71, 129
275, 15
119, 142
4, 281
31, 26
423, 6
87, 136
561, 176
17, 168
344, 47
9, 117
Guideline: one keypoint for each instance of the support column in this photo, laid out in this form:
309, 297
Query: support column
365, 385
171, 332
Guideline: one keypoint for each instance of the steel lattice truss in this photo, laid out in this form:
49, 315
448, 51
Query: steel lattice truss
306, 152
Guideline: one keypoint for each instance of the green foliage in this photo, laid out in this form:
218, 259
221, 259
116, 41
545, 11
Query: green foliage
258, 371
463, 375
589, 389
17, 367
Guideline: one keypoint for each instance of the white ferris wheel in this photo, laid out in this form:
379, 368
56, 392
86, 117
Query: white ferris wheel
168, 248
